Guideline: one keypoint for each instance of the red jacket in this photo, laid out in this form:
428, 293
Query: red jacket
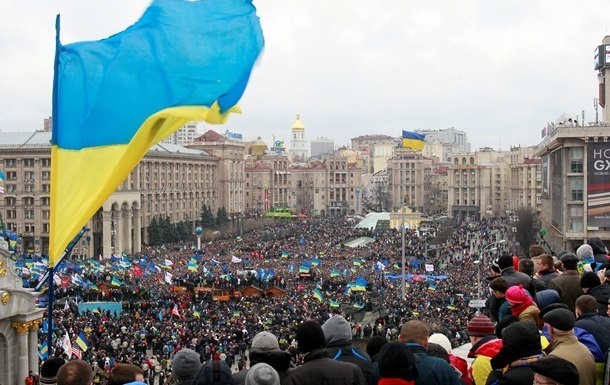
460, 364
394, 381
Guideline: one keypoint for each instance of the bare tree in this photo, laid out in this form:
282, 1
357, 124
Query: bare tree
526, 226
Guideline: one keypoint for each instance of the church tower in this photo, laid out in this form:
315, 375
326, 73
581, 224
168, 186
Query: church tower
298, 144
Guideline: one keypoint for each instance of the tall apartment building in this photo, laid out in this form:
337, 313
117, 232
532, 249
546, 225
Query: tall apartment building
170, 181
321, 146
525, 179
298, 144
183, 136
380, 148
230, 155
410, 178
453, 141
268, 183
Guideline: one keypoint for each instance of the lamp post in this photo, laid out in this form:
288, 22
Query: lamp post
481, 261
198, 232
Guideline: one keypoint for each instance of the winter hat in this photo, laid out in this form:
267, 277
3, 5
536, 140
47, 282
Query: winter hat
262, 374
49, 369
397, 361
310, 336
557, 369
553, 306
561, 319
584, 251
214, 373
374, 345
480, 326
504, 323
547, 297
264, 342
185, 365
442, 340
589, 280
519, 339
570, 261
337, 329
517, 295
505, 261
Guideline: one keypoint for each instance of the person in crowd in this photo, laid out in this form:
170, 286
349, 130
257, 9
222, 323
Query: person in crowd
587, 318
535, 250
485, 346
122, 374
564, 344
49, 369
546, 269
215, 372
75, 372
567, 284
521, 304
600, 252
591, 285
554, 370
396, 365
528, 266
262, 374
513, 277
520, 347
318, 368
185, 365
498, 287
586, 260
338, 334
457, 362
374, 345
431, 370
266, 349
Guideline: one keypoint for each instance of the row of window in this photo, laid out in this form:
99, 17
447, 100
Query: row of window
28, 162
27, 201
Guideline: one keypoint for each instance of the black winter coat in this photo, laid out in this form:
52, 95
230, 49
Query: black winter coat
319, 369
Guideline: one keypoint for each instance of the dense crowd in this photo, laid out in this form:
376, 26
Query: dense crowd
158, 320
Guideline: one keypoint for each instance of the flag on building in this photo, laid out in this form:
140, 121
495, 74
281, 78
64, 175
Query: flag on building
413, 140
2, 177
81, 341
115, 98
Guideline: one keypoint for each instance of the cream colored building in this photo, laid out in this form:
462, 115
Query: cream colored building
170, 181
268, 184
380, 149
410, 177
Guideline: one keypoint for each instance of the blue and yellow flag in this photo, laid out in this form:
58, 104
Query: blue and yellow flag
114, 98
317, 294
2, 177
115, 282
81, 341
413, 140
334, 303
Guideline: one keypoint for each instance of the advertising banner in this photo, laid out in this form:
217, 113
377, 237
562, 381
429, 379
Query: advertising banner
598, 184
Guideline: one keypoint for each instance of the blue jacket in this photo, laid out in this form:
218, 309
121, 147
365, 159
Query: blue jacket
433, 370
598, 326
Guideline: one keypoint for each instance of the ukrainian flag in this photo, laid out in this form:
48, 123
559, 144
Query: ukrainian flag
115, 98
334, 303
116, 282
358, 306
43, 353
196, 313
2, 177
413, 140
317, 294
303, 269
191, 266
81, 341
334, 273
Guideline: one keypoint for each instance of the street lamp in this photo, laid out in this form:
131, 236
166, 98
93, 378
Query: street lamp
198, 232
481, 261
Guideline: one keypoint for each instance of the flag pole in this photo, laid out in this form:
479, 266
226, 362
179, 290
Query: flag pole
402, 219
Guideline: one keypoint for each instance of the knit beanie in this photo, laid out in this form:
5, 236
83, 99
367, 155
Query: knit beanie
214, 373
397, 361
547, 297
185, 364
337, 329
517, 295
49, 369
480, 326
505, 261
589, 280
442, 340
310, 336
262, 374
264, 342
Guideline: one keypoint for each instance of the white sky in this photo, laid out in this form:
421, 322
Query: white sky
497, 70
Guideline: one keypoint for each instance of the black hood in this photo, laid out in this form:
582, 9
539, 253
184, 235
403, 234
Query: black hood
597, 245
278, 359
520, 339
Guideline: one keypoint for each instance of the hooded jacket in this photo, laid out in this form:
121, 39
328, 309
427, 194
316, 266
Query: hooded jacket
338, 333
599, 250
278, 359
319, 369
601, 294
483, 351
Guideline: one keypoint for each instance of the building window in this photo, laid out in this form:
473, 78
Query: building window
11, 214
28, 163
46, 214
576, 189
29, 188
28, 201
29, 214
45, 201
576, 218
11, 188
46, 188
11, 175
28, 175
10, 201
45, 227
10, 162
576, 159
46, 162
29, 228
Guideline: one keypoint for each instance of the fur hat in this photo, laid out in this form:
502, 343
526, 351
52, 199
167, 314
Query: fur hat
185, 364
397, 361
49, 369
310, 336
561, 319
262, 374
480, 326
337, 329
264, 342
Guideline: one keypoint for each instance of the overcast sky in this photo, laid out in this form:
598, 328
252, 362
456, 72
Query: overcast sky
496, 70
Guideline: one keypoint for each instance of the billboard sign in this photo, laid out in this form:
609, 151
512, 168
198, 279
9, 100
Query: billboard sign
598, 184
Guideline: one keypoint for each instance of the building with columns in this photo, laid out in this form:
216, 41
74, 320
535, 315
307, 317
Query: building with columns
170, 181
20, 319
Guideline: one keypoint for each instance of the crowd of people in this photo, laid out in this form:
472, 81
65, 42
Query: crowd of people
339, 304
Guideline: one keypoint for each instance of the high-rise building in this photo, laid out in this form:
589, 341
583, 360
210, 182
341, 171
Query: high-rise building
298, 144
410, 177
321, 146
453, 141
184, 135
378, 148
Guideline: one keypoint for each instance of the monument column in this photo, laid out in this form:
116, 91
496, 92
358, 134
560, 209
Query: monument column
22, 341
137, 230
127, 226
33, 344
